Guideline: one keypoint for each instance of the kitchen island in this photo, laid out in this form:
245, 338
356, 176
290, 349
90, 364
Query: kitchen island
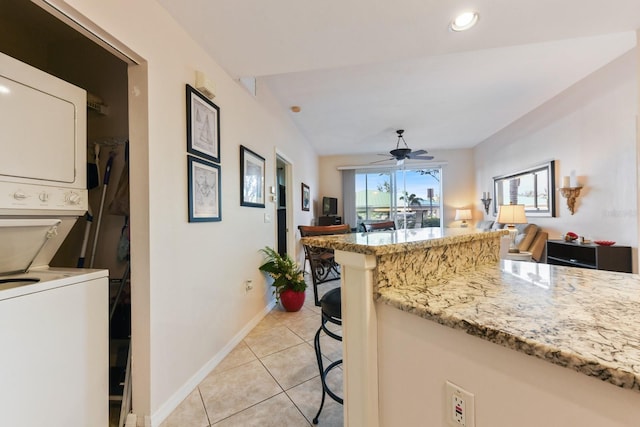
584, 322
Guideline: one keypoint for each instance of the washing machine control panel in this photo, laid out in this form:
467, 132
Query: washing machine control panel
15, 196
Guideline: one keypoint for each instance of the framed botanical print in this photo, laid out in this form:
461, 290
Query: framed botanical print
203, 126
204, 190
252, 179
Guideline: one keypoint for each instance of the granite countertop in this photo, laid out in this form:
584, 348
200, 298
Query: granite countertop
585, 320
388, 242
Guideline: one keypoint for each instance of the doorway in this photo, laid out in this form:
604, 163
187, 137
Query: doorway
38, 34
281, 204
284, 203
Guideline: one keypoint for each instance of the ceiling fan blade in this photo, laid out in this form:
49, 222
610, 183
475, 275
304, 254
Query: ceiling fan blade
422, 157
383, 160
418, 152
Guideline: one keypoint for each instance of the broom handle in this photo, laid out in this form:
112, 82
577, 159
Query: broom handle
107, 174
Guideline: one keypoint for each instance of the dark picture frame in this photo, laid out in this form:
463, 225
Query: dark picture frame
252, 178
205, 199
306, 197
203, 126
533, 187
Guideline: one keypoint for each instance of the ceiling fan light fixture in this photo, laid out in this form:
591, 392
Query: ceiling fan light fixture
400, 154
464, 21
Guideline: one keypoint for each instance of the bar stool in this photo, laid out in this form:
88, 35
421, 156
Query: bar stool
330, 305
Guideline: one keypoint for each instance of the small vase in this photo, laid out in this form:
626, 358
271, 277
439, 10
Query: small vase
292, 300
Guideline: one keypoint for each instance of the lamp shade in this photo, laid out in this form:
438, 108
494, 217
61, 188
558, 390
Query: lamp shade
511, 214
463, 214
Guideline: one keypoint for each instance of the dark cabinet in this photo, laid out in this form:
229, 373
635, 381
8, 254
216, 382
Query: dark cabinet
612, 258
330, 220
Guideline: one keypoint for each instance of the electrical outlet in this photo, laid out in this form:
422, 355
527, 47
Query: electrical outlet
459, 410
460, 406
248, 285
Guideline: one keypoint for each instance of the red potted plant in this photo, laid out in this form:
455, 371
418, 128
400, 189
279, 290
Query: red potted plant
288, 279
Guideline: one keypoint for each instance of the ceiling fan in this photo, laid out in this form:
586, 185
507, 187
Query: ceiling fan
400, 154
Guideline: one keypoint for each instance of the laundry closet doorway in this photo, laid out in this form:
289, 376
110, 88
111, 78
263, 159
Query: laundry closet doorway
34, 33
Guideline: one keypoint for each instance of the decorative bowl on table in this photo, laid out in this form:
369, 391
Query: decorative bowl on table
570, 237
604, 242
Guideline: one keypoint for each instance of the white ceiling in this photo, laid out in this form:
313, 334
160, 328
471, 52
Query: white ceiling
360, 69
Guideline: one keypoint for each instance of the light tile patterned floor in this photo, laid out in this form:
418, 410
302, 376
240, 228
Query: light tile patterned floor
270, 379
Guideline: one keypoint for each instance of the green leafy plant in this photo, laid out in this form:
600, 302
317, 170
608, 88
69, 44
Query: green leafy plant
285, 272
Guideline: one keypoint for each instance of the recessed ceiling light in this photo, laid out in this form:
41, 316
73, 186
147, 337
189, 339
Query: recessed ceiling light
464, 21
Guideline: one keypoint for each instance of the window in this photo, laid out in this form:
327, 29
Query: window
533, 188
410, 197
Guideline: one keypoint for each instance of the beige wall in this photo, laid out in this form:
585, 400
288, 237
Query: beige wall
189, 303
457, 179
589, 128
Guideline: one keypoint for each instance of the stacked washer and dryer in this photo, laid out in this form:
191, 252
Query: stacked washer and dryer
54, 333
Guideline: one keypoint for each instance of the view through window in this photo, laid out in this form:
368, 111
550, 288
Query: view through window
410, 197
533, 188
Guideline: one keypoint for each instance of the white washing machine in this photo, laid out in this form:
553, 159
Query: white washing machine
54, 355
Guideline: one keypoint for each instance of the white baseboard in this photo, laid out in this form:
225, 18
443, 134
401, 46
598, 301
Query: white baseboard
132, 421
172, 403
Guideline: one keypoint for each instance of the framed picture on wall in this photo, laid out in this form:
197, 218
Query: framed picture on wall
252, 167
203, 126
204, 190
306, 197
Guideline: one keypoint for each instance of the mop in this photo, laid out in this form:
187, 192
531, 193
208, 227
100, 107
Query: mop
105, 185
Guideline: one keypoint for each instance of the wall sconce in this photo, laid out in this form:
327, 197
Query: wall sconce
570, 190
464, 215
486, 201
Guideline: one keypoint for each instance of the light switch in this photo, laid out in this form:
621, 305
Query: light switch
267, 218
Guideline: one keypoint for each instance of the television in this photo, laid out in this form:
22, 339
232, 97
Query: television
329, 206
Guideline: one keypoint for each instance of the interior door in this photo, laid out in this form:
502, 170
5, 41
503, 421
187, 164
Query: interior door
281, 195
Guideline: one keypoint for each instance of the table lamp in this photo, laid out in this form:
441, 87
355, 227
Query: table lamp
511, 215
464, 215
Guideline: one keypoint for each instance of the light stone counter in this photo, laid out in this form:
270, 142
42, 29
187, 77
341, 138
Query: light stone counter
585, 320
398, 241
417, 256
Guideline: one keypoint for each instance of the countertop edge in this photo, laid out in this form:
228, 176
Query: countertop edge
566, 359
337, 242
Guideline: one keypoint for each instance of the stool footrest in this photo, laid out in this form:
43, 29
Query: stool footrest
324, 382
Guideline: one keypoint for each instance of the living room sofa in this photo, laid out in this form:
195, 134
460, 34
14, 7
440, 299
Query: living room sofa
529, 237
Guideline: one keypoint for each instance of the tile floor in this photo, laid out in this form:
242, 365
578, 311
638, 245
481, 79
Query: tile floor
270, 379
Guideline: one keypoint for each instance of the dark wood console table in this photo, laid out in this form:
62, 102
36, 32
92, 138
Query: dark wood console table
590, 255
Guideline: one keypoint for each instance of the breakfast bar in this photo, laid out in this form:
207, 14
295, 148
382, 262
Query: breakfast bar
536, 344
